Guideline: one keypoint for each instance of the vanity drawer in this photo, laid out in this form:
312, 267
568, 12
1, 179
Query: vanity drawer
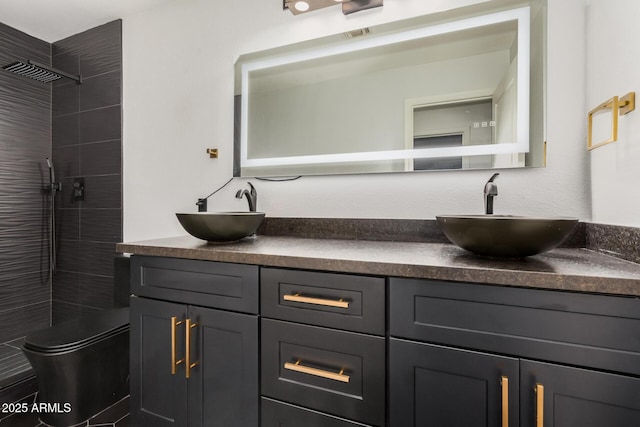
589, 330
337, 372
343, 301
205, 283
280, 414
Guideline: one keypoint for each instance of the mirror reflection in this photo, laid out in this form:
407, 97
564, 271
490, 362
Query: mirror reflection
459, 94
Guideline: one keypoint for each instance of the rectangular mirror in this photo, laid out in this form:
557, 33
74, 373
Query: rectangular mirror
462, 91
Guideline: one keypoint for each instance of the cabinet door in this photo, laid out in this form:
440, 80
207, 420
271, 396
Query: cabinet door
223, 388
158, 397
433, 386
568, 397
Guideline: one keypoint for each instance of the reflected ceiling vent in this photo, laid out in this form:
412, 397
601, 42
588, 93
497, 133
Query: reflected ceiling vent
357, 33
298, 7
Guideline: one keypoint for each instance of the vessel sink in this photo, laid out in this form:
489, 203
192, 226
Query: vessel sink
221, 226
506, 236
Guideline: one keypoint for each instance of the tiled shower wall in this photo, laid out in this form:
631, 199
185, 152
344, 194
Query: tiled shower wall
25, 142
86, 140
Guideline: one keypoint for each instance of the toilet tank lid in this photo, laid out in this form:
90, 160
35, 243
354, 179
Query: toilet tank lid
80, 330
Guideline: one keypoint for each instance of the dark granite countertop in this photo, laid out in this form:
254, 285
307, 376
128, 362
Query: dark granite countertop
570, 269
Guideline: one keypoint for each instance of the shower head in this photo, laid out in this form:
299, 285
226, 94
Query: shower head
55, 186
40, 72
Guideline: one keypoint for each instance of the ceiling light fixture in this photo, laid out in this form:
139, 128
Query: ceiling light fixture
301, 6
348, 6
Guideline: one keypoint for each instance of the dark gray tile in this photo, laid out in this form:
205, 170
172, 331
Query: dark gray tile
103, 124
69, 255
25, 141
112, 414
86, 310
19, 221
69, 48
101, 225
68, 224
103, 90
63, 311
17, 343
23, 289
97, 258
14, 364
22, 179
101, 50
102, 158
124, 422
13, 41
66, 160
19, 389
7, 351
23, 256
66, 287
67, 60
65, 130
96, 291
66, 98
27, 419
103, 192
20, 321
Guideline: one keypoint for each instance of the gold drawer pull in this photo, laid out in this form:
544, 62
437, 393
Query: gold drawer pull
187, 364
174, 362
317, 301
504, 383
539, 405
340, 376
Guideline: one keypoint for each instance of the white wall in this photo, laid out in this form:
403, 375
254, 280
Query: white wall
178, 100
613, 68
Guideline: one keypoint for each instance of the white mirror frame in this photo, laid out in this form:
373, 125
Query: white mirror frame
521, 145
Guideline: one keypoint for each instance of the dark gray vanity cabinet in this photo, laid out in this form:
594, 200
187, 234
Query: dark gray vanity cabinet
565, 396
587, 349
194, 365
439, 386
323, 350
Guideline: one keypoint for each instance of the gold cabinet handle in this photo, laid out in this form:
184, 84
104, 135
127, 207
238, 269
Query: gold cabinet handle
340, 376
539, 405
316, 301
504, 383
187, 344
174, 362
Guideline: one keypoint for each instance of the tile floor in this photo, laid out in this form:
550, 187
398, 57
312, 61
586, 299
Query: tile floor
116, 415
13, 363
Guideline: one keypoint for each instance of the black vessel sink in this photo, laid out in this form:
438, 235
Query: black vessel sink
221, 226
506, 236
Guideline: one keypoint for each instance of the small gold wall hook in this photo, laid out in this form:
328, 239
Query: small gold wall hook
212, 152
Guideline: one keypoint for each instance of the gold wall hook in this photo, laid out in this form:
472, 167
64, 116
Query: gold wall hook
618, 107
212, 152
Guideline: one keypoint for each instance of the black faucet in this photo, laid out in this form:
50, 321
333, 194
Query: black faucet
252, 197
490, 190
